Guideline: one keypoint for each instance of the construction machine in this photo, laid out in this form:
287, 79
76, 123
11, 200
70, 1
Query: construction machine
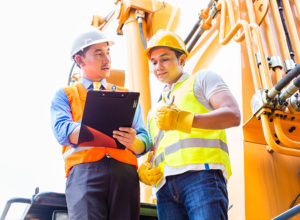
264, 35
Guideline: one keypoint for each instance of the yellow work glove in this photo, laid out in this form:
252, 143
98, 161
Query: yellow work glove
172, 118
148, 174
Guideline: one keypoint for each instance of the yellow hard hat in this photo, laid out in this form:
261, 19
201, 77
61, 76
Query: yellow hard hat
164, 38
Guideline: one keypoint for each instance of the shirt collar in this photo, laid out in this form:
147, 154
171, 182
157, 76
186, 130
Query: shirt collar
183, 77
87, 82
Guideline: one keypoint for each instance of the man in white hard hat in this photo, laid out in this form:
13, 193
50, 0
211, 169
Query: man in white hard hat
102, 183
192, 156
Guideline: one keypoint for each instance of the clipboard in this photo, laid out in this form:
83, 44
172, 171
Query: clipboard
104, 112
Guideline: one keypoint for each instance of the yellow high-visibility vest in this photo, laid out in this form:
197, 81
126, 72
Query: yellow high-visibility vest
201, 146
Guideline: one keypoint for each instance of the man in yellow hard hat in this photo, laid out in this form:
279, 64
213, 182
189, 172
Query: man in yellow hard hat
102, 182
191, 164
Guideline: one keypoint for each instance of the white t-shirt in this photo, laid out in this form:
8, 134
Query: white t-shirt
207, 83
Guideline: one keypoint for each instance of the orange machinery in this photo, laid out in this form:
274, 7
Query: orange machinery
268, 34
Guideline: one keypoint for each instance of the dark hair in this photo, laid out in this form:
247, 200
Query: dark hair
81, 53
178, 53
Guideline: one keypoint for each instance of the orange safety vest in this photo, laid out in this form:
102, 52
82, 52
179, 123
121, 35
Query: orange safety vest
77, 95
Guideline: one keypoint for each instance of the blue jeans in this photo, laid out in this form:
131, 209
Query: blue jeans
193, 195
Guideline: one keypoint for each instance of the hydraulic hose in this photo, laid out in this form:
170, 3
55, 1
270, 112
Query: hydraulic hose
294, 201
289, 213
140, 22
194, 29
290, 89
70, 74
194, 41
280, 8
284, 81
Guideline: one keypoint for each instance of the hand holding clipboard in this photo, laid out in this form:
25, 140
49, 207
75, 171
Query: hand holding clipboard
104, 112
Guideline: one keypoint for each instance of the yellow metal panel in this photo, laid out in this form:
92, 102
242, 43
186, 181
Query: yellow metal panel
138, 70
164, 16
127, 5
145, 5
138, 75
117, 77
272, 181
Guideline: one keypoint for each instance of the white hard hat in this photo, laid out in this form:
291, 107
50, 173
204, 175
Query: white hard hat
88, 38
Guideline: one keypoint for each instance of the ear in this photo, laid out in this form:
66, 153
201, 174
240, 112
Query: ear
79, 60
182, 59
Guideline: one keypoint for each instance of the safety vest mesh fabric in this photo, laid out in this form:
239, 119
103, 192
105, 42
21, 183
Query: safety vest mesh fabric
201, 146
75, 155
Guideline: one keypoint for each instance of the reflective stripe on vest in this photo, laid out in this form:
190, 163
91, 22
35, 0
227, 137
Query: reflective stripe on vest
192, 142
200, 146
74, 155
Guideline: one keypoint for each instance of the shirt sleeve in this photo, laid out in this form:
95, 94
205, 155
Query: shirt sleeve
61, 118
207, 84
141, 132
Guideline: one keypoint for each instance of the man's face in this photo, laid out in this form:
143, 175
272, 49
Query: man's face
95, 64
166, 66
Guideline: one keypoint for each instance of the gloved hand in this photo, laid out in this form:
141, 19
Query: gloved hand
148, 174
172, 118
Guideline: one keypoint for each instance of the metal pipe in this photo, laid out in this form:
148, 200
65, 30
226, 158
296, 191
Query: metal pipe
107, 20
204, 59
272, 145
285, 140
244, 26
264, 70
289, 213
284, 81
295, 102
272, 46
251, 12
8, 204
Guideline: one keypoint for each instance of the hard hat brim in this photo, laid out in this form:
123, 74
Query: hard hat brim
148, 51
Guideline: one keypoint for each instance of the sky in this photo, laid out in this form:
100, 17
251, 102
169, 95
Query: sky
35, 42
